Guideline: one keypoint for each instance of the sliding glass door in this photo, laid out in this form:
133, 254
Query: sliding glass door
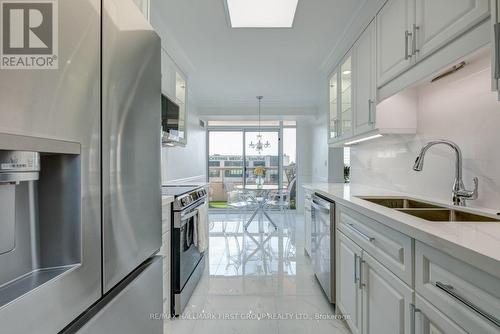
225, 165
267, 160
233, 159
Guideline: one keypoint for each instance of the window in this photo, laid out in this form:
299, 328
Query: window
214, 163
233, 173
233, 163
214, 173
347, 164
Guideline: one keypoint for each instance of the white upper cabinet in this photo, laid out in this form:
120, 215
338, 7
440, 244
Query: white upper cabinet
181, 99
408, 31
364, 81
341, 99
333, 112
175, 86
394, 44
440, 21
346, 98
168, 75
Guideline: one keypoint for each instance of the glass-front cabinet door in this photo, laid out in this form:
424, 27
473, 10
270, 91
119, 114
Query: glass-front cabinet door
181, 97
346, 98
334, 107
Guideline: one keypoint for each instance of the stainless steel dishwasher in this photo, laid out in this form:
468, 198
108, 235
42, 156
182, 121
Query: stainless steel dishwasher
323, 243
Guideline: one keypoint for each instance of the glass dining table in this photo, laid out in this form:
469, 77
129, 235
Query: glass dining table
259, 195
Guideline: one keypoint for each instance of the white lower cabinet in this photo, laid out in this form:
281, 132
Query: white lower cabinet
349, 291
386, 299
437, 294
307, 230
429, 320
372, 298
307, 222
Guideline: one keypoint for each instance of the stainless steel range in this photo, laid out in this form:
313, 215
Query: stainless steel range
188, 261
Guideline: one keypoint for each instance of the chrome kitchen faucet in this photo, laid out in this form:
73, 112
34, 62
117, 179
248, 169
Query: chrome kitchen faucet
459, 193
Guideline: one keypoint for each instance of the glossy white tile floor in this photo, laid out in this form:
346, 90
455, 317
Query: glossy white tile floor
261, 279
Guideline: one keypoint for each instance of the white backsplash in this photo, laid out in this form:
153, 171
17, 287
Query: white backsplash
460, 108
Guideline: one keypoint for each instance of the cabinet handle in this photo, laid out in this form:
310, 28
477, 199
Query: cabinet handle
414, 40
370, 112
407, 48
355, 268
360, 279
496, 50
361, 234
450, 290
413, 315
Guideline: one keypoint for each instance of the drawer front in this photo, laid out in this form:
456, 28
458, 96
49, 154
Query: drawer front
390, 247
429, 320
465, 294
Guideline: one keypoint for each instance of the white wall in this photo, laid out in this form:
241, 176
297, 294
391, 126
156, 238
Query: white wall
304, 158
460, 108
319, 160
186, 164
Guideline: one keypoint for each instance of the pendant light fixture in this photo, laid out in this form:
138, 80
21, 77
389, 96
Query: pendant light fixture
259, 146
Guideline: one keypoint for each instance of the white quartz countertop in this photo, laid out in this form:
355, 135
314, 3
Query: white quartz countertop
477, 243
166, 199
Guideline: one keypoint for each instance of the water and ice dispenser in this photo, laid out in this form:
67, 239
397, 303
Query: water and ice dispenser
15, 167
40, 219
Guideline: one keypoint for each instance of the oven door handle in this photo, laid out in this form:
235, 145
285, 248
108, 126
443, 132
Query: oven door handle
189, 215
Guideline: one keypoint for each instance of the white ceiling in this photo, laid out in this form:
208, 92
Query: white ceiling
230, 66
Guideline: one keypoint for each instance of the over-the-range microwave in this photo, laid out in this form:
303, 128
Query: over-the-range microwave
171, 122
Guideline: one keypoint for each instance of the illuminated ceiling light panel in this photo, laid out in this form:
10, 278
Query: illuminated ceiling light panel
261, 13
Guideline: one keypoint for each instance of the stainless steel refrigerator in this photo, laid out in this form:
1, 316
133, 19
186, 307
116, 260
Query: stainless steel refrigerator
80, 177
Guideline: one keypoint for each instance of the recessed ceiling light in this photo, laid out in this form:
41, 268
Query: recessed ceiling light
261, 13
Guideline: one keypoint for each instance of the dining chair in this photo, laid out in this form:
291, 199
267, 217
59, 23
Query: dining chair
237, 201
281, 198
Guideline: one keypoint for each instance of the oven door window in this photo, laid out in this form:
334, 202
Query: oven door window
187, 235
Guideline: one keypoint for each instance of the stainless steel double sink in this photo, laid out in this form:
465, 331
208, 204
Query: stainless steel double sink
428, 211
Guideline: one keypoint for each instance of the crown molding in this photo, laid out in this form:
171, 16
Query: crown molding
362, 17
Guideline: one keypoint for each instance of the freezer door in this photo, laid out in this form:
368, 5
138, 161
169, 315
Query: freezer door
134, 306
51, 110
131, 129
